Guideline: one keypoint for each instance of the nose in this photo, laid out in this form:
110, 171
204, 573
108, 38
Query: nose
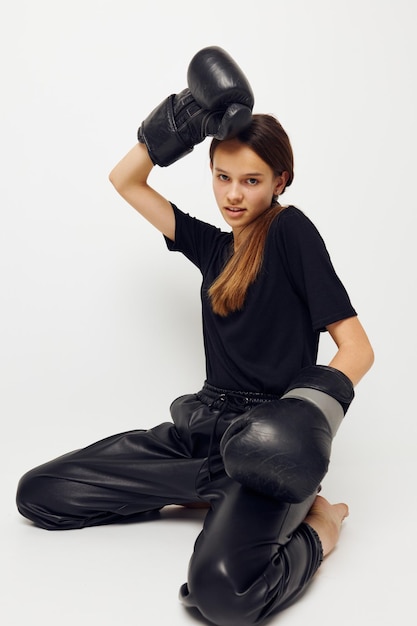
234, 193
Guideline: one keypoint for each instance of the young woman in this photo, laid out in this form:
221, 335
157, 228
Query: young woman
253, 444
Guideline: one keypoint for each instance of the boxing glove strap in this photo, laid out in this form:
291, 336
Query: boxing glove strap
328, 380
331, 408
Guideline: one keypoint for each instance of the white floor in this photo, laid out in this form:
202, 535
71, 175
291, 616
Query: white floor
130, 574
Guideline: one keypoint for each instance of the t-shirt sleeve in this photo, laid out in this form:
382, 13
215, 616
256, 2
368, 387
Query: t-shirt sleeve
196, 239
311, 271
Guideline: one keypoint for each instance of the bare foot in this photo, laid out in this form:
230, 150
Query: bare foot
326, 519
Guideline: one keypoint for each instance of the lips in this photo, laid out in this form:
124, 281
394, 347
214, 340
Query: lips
233, 209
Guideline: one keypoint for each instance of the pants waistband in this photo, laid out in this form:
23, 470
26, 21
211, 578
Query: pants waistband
238, 399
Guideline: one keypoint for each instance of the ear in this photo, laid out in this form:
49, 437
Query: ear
281, 182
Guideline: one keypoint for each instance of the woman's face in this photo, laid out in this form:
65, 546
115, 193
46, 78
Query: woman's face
243, 184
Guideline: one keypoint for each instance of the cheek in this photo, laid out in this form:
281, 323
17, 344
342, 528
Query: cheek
261, 197
217, 193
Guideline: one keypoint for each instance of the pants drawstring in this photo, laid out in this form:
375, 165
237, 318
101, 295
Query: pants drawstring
229, 402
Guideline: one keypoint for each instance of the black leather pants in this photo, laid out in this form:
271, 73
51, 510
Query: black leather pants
254, 555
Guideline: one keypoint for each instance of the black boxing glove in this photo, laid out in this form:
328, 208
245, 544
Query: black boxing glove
218, 84
282, 448
217, 103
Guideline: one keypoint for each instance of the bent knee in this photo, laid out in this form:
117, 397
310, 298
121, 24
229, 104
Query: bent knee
31, 496
40, 499
215, 594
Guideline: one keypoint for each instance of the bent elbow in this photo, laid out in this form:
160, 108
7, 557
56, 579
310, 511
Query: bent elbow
370, 357
115, 179
365, 361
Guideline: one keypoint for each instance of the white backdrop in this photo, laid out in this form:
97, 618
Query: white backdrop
100, 325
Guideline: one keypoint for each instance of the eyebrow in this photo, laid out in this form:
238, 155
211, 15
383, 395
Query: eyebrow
219, 169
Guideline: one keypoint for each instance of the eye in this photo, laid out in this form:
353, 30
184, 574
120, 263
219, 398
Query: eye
223, 177
252, 181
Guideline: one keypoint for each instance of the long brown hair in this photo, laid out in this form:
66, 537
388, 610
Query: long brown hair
268, 139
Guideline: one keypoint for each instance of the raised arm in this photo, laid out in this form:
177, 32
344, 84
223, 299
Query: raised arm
130, 179
218, 103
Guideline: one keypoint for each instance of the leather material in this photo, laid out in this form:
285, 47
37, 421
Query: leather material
217, 103
216, 81
178, 124
254, 554
280, 449
327, 379
331, 408
283, 451
253, 557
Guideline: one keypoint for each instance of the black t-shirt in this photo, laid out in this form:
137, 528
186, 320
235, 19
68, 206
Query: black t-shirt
295, 296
